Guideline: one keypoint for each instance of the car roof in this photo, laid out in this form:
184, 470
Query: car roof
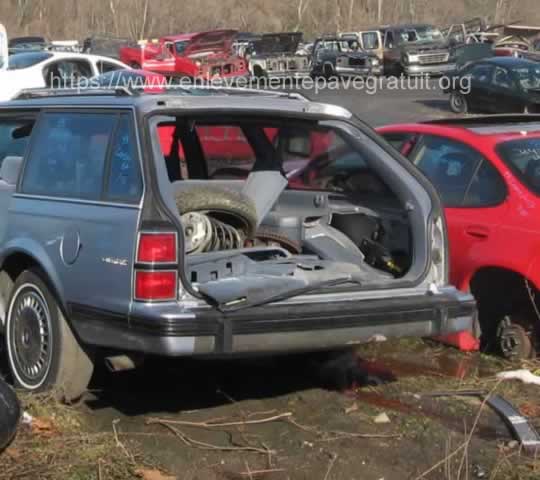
497, 128
509, 62
59, 55
404, 26
211, 98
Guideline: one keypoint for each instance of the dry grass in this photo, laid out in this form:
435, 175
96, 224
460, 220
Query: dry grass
58, 444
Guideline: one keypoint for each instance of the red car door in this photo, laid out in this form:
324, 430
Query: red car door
473, 228
472, 192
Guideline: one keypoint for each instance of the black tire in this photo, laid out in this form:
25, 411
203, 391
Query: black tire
458, 103
10, 413
219, 202
43, 353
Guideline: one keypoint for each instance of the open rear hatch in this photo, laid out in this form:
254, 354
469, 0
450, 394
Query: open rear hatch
276, 208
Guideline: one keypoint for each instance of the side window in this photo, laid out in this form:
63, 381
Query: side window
14, 137
106, 67
124, 181
449, 164
481, 73
487, 188
502, 78
66, 73
68, 156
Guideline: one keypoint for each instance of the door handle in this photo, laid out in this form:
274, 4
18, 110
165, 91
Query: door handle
477, 231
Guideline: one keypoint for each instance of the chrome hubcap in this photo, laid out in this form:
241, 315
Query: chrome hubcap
31, 336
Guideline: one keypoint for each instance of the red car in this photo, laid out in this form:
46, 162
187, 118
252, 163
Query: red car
203, 56
487, 172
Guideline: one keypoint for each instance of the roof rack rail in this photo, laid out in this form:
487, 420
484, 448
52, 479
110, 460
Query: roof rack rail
486, 120
31, 93
231, 90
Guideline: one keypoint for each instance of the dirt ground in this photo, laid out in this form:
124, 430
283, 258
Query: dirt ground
287, 418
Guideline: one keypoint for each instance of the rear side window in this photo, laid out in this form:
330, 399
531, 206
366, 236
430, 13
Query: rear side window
523, 158
68, 156
449, 164
124, 182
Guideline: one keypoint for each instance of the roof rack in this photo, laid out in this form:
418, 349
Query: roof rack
121, 91
486, 120
31, 93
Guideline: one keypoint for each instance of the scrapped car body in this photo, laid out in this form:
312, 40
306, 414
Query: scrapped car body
334, 56
206, 56
41, 69
487, 171
496, 85
123, 231
417, 49
274, 55
369, 40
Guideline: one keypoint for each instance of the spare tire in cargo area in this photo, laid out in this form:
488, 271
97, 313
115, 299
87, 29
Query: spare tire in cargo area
215, 218
10, 412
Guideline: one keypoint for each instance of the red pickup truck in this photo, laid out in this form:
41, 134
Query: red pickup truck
205, 56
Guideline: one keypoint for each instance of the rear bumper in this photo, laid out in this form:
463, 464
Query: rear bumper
276, 328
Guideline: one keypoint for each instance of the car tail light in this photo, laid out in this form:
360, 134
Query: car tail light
157, 248
156, 267
154, 286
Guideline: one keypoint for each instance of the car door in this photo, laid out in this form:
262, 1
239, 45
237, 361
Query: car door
473, 194
505, 89
80, 194
391, 52
479, 97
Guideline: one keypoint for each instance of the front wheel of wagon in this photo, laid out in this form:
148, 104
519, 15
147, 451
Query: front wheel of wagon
43, 354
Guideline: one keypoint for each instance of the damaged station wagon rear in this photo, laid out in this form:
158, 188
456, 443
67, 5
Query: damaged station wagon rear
208, 222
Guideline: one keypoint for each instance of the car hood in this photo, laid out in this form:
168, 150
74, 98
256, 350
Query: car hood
272, 43
217, 41
423, 47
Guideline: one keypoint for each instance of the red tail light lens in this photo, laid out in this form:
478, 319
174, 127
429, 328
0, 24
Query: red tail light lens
157, 248
155, 286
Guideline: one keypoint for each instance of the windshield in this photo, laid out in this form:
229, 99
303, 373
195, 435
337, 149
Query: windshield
523, 158
180, 47
420, 34
370, 40
529, 77
18, 61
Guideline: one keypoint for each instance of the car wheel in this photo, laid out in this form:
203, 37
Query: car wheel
42, 351
458, 103
516, 338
